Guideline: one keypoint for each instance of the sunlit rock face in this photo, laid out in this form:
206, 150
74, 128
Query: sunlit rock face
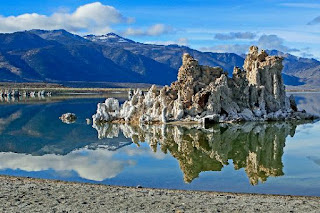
256, 147
263, 73
206, 94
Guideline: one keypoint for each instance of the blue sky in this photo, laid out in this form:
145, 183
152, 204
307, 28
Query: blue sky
208, 25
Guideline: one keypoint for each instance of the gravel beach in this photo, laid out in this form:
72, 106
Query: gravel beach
34, 195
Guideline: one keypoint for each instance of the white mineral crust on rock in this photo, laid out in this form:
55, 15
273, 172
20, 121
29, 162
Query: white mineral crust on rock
207, 94
68, 118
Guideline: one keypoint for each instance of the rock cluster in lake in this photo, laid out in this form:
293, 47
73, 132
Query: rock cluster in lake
207, 94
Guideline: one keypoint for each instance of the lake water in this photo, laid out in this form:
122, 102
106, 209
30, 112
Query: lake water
276, 158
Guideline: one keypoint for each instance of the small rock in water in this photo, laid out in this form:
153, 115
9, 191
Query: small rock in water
88, 121
139, 187
68, 118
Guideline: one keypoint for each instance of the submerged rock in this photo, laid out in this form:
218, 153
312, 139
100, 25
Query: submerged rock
207, 94
68, 118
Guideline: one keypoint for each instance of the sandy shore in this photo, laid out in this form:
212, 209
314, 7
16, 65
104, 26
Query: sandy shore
33, 195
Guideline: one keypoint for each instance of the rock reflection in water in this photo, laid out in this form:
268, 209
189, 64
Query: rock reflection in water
256, 147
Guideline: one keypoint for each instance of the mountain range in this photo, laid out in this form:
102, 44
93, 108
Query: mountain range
60, 56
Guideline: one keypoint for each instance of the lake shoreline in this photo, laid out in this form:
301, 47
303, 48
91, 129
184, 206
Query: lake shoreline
101, 87
20, 194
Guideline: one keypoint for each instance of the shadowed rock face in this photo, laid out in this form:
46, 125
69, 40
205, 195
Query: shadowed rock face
256, 147
203, 93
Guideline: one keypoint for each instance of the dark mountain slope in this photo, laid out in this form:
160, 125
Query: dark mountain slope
169, 54
306, 70
22, 41
60, 36
28, 57
59, 56
151, 70
79, 63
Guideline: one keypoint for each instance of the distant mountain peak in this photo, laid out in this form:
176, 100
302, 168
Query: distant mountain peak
51, 32
276, 52
59, 35
109, 37
113, 35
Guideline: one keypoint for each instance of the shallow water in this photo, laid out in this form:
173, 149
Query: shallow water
277, 158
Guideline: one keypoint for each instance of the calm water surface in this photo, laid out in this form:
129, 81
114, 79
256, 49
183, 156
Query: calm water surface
277, 158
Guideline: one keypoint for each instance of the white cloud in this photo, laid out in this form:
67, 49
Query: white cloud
97, 165
270, 42
133, 32
179, 41
229, 48
158, 29
94, 165
301, 5
154, 30
93, 18
274, 42
234, 35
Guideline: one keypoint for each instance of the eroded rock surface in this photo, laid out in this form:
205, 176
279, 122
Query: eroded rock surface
207, 94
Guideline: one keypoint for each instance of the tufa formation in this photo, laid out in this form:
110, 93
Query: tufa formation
206, 94
68, 118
